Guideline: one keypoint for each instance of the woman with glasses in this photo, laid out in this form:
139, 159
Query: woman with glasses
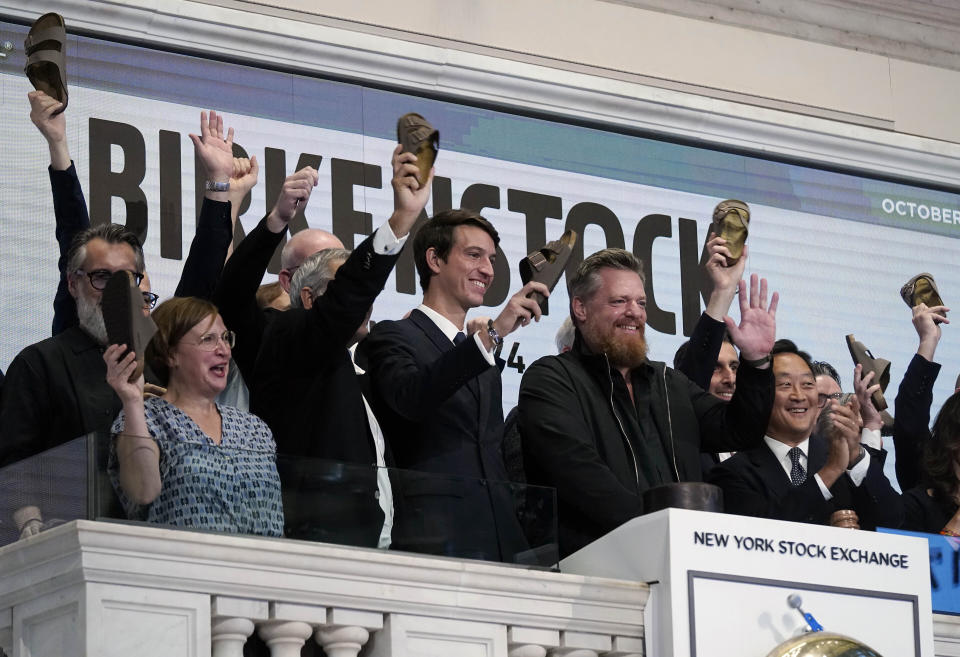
182, 459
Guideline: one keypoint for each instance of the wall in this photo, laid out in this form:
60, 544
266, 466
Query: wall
750, 65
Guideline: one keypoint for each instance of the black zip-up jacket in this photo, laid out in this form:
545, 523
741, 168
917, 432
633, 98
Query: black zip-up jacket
576, 440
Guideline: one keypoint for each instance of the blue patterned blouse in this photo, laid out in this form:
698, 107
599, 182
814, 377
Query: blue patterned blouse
232, 487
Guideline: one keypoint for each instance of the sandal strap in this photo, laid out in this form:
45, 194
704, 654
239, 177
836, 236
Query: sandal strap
34, 39
536, 260
51, 56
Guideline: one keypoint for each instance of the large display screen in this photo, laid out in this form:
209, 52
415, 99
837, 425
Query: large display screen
836, 246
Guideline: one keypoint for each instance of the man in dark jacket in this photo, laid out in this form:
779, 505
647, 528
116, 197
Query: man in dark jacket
437, 394
305, 387
602, 424
802, 476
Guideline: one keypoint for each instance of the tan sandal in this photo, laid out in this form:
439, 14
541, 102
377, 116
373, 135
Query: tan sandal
417, 136
731, 221
921, 289
879, 366
546, 265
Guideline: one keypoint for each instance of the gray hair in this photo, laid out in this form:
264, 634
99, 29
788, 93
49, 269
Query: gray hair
565, 335
315, 273
586, 281
109, 233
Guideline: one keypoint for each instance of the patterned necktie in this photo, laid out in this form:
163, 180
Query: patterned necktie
797, 474
459, 337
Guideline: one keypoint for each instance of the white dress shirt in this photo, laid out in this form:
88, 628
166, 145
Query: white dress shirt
450, 330
782, 451
385, 496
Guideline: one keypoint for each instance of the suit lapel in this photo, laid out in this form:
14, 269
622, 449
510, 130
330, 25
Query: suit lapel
770, 469
440, 341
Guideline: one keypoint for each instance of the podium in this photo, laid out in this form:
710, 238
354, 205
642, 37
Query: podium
719, 583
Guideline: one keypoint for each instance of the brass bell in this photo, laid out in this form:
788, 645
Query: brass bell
822, 644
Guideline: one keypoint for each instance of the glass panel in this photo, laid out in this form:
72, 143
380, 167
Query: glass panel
203, 486
45, 490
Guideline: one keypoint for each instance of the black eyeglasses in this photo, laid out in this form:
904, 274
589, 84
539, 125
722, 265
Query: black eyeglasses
822, 398
100, 277
150, 300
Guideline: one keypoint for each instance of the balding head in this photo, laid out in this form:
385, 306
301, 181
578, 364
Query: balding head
301, 246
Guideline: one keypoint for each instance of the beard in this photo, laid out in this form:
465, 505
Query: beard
91, 319
622, 349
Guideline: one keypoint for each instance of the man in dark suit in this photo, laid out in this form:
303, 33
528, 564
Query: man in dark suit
798, 475
305, 387
437, 394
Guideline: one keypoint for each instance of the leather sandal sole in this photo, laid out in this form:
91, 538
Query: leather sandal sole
122, 305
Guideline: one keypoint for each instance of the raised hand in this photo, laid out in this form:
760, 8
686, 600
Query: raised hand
244, 178
927, 322
863, 389
409, 196
52, 126
842, 431
520, 309
723, 279
213, 148
294, 194
757, 330
476, 325
119, 370
28, 519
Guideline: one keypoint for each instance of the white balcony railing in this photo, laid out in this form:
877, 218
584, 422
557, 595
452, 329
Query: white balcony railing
104, 589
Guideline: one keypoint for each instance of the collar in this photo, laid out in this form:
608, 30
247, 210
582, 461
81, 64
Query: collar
447, 327
79, 340
780, 449
353, 358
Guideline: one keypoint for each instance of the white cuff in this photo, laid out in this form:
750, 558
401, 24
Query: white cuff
871, 438
488, 354
385, 242
827, 495
859, 472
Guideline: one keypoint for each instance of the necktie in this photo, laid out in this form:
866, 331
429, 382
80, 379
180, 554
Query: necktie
459, 337
797, 474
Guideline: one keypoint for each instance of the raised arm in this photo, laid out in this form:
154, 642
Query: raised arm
236, 292
69, 205
700, 357
911, 425
214, 232
137, 453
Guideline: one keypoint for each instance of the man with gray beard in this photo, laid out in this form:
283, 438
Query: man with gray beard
56, 389
602, 424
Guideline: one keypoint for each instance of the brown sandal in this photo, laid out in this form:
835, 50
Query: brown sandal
546, 265
921, 289
420, 138
46, 50
731, 221
879, 366
122, 304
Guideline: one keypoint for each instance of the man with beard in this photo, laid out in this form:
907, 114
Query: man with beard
602, 424
56, 389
